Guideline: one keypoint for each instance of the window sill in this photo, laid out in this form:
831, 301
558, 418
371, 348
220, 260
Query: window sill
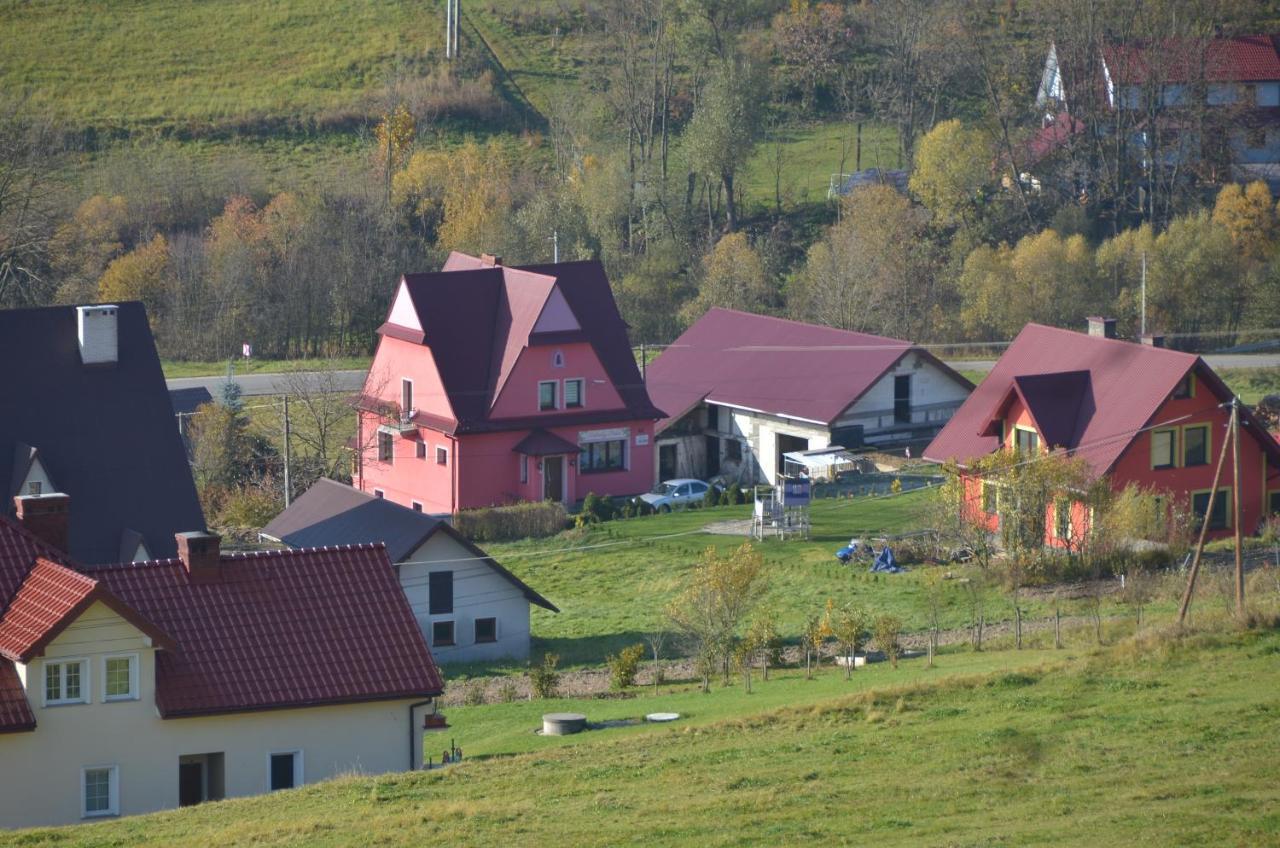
444, 644
97, 816
486, 641
118, 699
65, 703
590, 471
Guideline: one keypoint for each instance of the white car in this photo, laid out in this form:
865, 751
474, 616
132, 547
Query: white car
672, 494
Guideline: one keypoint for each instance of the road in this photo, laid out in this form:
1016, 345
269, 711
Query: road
274, 384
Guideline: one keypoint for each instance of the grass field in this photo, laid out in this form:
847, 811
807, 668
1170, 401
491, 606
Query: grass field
174, 369
810, 155
1145, 743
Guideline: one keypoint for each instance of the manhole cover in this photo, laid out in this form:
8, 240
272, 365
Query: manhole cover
660, 717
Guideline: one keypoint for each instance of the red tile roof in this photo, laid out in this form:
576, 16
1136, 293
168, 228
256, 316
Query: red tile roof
1244, 58
476, 318
772, 365
15, 712
1114, 387
280, 629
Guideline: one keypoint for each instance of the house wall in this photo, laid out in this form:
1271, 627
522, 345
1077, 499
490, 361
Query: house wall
935, 396
395, 360
755, 431
369, 738
408, 478
519, 397
478, 592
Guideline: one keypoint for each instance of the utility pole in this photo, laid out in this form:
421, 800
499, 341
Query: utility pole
1144, 292
1204, 527
452, 12
555, 246
1235, 503
288, 491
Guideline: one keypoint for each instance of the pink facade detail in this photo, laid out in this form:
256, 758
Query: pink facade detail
519, 384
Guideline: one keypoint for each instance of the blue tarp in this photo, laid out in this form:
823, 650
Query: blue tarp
886, 562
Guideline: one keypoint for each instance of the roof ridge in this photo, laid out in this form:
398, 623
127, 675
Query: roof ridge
809, 325
1129, 342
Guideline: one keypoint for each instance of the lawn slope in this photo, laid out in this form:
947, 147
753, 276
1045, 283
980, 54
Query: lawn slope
1168, 746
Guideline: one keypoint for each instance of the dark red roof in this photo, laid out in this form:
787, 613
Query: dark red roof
1114, 387
476, 318
772, 365
279, 629
1051, 137
1243, 58
15, 712
540, 442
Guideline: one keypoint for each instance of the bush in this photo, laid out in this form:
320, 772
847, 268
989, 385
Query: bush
596, 509
543, 678
473, 694
507, 692
887, 629
624, 666
509, 523
736, 495
711, 497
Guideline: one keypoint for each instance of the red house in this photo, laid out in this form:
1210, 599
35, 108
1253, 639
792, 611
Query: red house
1135, 413
494, 384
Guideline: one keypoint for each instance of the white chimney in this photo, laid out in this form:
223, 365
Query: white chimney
98, 337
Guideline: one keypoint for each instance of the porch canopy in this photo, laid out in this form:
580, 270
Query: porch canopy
822, 462
540, 442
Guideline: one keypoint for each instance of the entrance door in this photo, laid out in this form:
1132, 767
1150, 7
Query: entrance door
553, 478
902, 399
666, 462
190, 783
713, 456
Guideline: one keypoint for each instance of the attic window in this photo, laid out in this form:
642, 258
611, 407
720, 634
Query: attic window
33, 488
1186, 387
557, 359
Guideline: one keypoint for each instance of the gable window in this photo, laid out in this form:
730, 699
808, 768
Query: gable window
1218, 519
34, 487
100, 791
599, 457
421, 450
1186, 387
385, 446
417, 506
440, 592
442, 455
547, 395
557, 359
1164, 448
66, 682
378, 493
406, 398
486, 630
284, 770
1027, 441
572, 393
120, 678
1195, 445
441, 634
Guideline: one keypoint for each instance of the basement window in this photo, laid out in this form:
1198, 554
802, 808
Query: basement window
100, 792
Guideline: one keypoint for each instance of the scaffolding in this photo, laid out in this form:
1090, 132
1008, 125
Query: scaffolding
782, 512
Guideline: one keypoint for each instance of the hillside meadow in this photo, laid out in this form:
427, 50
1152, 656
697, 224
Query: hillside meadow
1155, 741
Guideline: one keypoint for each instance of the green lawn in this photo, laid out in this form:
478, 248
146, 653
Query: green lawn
1252, 384
174, 369
1171, 744
810, 155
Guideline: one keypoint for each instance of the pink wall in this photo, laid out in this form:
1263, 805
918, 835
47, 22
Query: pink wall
519, 397
408, 478
396, 359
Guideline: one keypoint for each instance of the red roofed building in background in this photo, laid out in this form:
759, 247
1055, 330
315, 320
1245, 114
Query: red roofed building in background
148, 685
1135, 413
742, 390
494, 384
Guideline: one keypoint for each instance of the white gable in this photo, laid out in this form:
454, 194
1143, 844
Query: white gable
556, 315
403, 313
37, 481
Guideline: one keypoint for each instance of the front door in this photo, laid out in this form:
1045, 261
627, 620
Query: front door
666, 462
553, 478
190, 784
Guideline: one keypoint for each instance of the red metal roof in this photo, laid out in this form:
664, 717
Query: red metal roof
540, 442
1243, 58
772, 365
476, 318
280, 629
1114, 387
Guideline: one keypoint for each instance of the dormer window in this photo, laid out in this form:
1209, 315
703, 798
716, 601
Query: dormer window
1027, 441
547, 395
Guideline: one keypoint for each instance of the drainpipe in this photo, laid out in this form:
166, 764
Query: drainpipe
412, 726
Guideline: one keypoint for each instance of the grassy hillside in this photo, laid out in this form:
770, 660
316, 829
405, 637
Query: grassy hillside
1167, 745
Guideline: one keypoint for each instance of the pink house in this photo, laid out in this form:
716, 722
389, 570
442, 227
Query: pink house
494, 384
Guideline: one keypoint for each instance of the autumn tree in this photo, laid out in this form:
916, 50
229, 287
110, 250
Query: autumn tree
724, 129
952, 168
733, 277
1248, 213
812, 43
461, 198
82, 245
849, 626
141, 274
888, 632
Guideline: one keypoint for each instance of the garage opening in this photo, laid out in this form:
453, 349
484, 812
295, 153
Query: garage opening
787, 444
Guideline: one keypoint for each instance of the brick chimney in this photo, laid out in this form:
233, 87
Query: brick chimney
1102, 327
200, 553
48, 517
490, 259
1153, 340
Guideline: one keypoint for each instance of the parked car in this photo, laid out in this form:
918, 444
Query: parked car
672, 494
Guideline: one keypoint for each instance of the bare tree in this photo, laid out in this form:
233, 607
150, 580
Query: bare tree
27, 188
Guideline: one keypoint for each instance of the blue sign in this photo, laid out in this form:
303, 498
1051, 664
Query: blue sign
795, 492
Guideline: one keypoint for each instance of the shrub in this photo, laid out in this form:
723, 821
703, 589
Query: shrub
507, 692
735, 495
711, 497
509, 523
887, 629
596, 509
473, 694
543, 678
624, 666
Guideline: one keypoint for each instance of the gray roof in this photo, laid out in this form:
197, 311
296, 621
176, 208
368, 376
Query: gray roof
104, 433
331, 513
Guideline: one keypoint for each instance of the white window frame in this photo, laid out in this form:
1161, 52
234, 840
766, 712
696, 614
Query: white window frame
555, 399
582, 392
113, 792
298, 772
442, 450
134, 661
86, 682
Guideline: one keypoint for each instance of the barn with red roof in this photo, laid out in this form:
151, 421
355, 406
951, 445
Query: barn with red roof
1135, 413
742, 390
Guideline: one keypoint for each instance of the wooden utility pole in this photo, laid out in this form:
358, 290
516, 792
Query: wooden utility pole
288, 490
1204, 527
1235, 503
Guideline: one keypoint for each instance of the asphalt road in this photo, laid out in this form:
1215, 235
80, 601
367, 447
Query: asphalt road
274, 384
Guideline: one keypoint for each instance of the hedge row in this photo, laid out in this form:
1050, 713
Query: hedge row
509, 523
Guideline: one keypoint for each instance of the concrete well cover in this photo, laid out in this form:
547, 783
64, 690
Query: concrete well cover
660, 717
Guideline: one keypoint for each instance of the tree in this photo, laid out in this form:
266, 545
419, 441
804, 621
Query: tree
1249, 216
724, 128
733, 277
765, 640
888, 630
952, 167
82, 246
849, 626
141, 274
717, 596
394, 135
27, 188
811, 640
462, 198
221, 455
933, 597
812, 43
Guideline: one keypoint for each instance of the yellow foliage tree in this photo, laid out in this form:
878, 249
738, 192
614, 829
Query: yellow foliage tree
1249, 216
953, 164
733, 277
465, 194
140, 274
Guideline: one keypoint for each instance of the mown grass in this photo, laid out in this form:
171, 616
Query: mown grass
810, 156
1146, 744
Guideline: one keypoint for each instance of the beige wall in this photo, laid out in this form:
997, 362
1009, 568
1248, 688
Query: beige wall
40, 781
